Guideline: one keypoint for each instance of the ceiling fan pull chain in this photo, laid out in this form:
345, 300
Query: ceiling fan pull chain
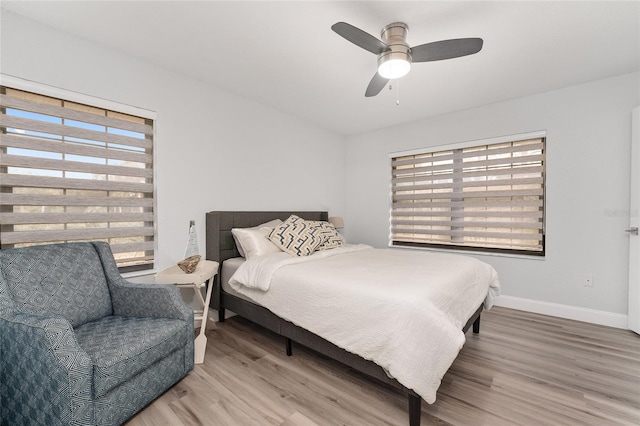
397, 93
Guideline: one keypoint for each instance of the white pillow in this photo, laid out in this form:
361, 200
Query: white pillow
253, 242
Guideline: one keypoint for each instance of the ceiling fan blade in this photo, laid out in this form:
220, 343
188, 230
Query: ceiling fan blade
376, 85
445, 49
359, 37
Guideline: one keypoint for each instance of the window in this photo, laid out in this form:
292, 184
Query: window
483, 197
70, 171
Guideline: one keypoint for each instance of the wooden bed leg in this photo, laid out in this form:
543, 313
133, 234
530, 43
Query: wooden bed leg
415, 403
476, 325
289, 349
221, 314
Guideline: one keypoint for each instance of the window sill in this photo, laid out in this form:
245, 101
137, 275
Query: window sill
470, 252
134, 274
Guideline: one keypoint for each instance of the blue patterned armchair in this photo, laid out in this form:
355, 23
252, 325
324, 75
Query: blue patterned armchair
79, 345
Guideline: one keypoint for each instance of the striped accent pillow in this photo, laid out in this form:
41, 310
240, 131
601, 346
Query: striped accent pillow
297, 236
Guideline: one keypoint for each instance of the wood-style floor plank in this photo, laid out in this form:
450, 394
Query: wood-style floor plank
522, 369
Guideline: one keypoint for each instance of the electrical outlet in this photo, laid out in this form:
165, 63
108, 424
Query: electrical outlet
588, 280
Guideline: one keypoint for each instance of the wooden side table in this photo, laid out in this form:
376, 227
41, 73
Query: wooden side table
201, 277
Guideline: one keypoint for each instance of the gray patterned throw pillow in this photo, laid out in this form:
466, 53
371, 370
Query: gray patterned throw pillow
333, 238
297, 236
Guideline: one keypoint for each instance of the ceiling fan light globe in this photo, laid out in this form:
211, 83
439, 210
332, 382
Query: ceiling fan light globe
394, 68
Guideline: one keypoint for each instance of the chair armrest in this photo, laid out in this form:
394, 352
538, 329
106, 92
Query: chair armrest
141, 300
44, 374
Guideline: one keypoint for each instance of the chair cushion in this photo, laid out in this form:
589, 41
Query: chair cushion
121, 347
65, 280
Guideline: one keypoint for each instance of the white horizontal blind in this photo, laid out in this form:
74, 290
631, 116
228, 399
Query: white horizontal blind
73, 172
488, 197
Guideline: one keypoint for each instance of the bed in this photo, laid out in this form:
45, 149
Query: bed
221, 247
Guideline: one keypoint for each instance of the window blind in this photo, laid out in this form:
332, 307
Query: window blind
74, 172
487, 197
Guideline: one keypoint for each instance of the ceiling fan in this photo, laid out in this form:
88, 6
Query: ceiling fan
394, 54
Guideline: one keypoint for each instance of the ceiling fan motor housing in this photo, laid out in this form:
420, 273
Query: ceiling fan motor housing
399, 54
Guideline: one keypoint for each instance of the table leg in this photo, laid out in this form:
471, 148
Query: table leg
200, 344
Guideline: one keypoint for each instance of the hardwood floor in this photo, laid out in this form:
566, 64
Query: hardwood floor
522, 369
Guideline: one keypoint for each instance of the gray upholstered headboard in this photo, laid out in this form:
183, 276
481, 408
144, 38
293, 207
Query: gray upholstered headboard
220, 243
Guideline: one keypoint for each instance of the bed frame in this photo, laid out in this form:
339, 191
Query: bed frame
221, 246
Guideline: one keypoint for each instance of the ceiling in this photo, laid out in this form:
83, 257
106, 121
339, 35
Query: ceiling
284, 55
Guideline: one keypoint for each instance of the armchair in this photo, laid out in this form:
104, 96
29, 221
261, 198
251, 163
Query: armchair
79, 345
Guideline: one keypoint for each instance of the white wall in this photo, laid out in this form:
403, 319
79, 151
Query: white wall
588, 144
214, 150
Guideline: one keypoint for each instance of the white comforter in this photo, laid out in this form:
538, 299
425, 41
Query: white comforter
402, 309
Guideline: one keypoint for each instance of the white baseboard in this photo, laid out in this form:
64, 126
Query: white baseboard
213, 314
593, 316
